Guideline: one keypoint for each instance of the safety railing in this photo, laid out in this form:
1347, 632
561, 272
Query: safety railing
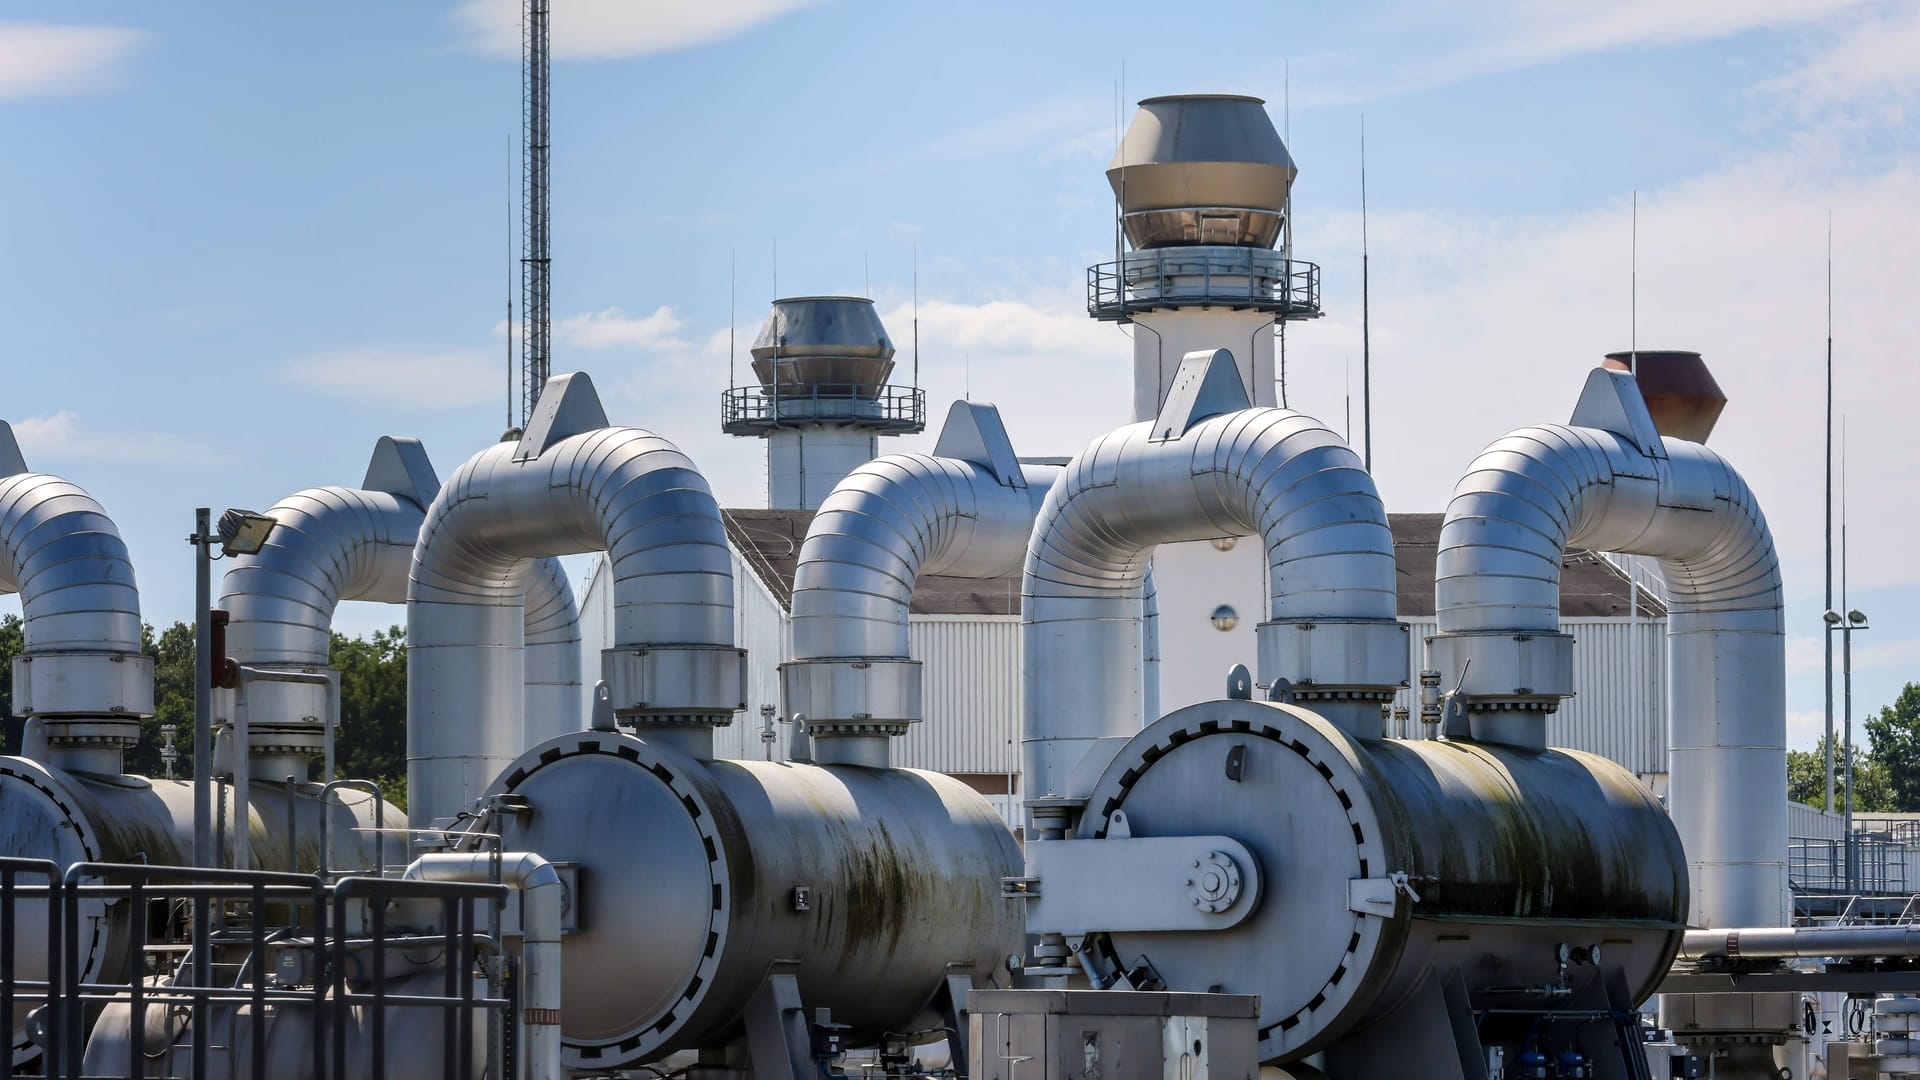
14, 989
457, 1002
1819, 865
888, 409
289, 947
1257, 278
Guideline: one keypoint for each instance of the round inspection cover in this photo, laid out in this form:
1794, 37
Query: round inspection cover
651, 914
1301, 807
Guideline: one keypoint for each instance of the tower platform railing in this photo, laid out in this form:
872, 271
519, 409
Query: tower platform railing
887, 409
1241, 278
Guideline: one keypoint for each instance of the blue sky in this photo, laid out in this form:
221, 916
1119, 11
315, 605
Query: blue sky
245, 240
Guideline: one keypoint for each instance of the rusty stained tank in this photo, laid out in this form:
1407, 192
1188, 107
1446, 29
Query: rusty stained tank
1680, 392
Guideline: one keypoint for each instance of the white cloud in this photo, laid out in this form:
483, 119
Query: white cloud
41, 58
608, 29
47, 440
1064, 128
1485, 323
1869, 60
401, 376
1512, 35
614, 328
1805, 728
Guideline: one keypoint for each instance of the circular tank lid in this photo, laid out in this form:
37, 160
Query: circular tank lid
650, 919
41, 819
1190, 151
1303, 810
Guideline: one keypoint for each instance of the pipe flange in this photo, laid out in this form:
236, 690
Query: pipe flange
97, 731
1215, 884
824, 730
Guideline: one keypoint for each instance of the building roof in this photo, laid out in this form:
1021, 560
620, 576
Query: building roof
769, 543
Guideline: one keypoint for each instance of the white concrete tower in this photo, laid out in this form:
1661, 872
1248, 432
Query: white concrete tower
822, 401
1202, 181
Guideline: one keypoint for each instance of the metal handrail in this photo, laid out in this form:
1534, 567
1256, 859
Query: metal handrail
71, 996
1159, 278
746, 410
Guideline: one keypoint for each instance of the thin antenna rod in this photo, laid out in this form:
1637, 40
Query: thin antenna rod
512, 371
916, 314
776, 267
1366, 311
733, 290
1827, 537
1633, 292
866, 274
1346, 432
1286, 241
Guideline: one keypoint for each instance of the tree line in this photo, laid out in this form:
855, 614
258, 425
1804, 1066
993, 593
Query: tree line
1886, 772
372, 739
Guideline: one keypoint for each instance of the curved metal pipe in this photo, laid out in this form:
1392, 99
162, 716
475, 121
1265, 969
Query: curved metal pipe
571, 485
550, 630
883, 525
83, 673
886, 523
1268, 472
543, 899
1539, 490
330, 544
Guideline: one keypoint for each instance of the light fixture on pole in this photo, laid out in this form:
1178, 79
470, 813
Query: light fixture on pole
1854, 619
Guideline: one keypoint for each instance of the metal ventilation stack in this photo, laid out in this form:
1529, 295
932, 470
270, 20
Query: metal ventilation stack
822, 400
1203, 184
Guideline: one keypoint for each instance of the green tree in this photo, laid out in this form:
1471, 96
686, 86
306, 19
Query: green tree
372, 740
1807, 775
173, 658
1807, 780
13, 642
1895, 736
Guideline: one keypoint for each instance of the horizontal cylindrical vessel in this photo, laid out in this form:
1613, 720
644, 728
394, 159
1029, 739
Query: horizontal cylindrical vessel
696, 878
1383, 864
69, 818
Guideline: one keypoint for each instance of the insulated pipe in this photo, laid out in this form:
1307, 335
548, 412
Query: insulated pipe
1268, 472
886, 523
551, 632
883, 525
330, 544
1800, 942
542, 899
570, 485
1539, 490
83, 673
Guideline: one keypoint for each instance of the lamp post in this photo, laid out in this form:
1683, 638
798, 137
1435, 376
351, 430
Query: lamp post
1854, 619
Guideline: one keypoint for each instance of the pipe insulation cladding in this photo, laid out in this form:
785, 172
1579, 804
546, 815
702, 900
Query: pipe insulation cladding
1207, 467
82, 673
330, 544
966, 510
1539, 490
571, 484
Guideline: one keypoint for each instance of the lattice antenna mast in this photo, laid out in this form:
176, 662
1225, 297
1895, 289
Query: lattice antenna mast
536, 308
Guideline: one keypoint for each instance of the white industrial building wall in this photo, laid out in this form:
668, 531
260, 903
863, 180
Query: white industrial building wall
1619, 707
1813, 823
760, 627
971, 679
